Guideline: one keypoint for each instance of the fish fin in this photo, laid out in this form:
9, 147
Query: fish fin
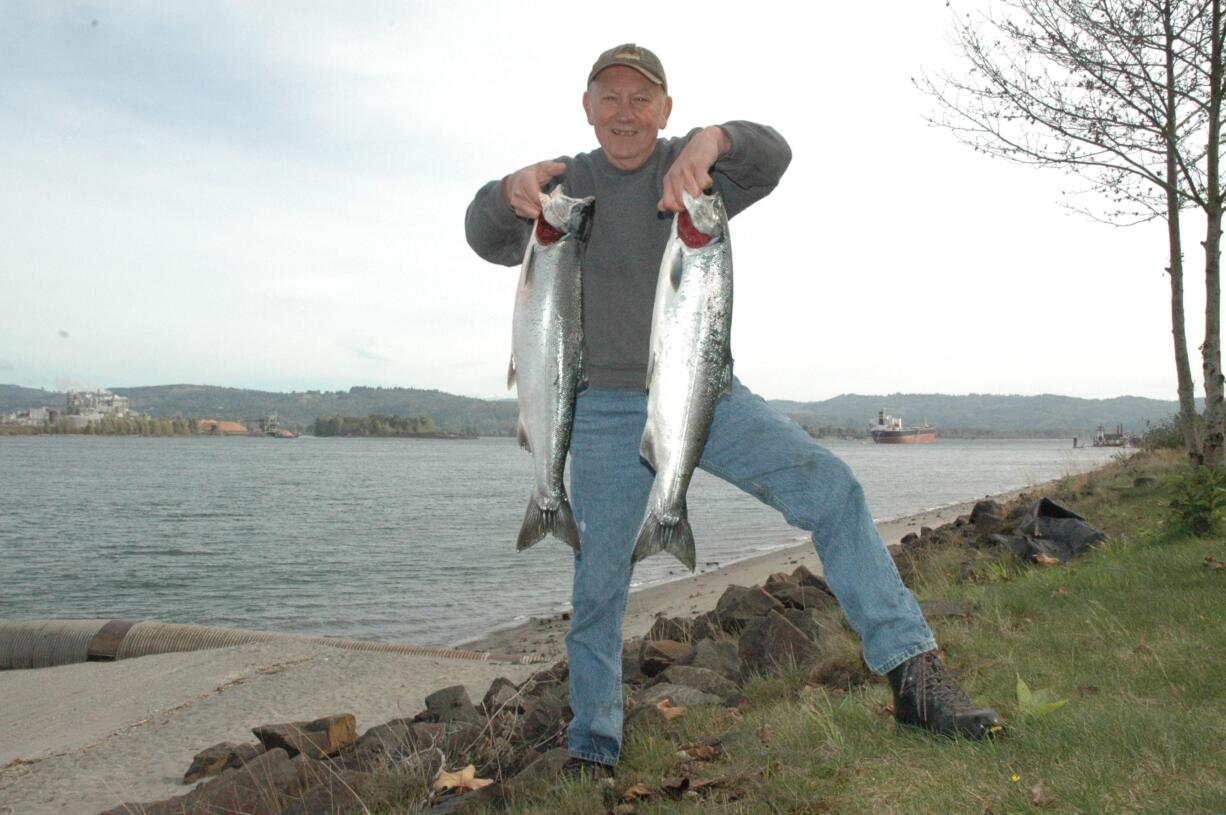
539, 522
511, 373
676, 264
677, 540
527, 278
521, 435
647, 448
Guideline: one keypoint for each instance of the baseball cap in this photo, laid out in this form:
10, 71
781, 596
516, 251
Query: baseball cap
632, 56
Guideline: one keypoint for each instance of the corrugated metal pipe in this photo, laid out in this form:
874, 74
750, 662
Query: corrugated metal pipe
44, 643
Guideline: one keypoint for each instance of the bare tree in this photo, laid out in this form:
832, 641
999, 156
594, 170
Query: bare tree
1112, 91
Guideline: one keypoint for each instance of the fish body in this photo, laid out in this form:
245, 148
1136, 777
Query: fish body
547, 359
689, 368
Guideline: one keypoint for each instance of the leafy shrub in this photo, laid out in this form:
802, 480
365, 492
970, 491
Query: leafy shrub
1199, 499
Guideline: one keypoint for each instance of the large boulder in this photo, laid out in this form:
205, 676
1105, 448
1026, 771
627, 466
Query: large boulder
718, 655
262, 786
316, 739
502, 695
450, 705
677, 695
772, 646
656, 655
739, 605
705, 680
212, 760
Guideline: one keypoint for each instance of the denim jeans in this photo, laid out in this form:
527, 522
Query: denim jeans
767, 455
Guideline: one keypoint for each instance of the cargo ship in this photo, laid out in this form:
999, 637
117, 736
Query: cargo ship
890, 430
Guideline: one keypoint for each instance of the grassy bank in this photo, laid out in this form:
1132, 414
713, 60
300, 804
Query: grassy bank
1130, 637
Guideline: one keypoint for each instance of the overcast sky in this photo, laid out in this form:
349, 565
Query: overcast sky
271, 195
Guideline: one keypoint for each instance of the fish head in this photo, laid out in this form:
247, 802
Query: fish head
568, 216
703, 221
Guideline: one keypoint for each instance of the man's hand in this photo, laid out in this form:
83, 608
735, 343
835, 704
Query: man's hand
522, 188
691, 171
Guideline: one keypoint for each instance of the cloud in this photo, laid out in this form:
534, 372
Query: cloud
63, 334
5, 365
366, 349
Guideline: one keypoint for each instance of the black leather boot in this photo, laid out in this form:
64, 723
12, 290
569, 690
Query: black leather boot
926, 696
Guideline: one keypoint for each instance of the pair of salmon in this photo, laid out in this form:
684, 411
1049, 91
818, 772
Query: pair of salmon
689, 367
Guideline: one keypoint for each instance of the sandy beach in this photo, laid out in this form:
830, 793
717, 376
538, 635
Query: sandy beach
82, 738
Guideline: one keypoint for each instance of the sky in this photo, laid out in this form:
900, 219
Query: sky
271, 195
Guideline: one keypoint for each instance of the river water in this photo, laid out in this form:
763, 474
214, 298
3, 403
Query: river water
409, 541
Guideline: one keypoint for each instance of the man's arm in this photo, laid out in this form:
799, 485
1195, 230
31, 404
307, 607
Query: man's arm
744, 160
499, 219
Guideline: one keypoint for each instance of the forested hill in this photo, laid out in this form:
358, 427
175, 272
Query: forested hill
973, 414
459, 414
986, 414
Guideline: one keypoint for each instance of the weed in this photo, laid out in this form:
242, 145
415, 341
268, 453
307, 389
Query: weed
1200, 496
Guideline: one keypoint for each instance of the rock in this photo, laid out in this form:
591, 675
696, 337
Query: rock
707, 681
631, 672
1143, 481
543, 722
450, 705
656, 655
452, 738
329, 791
502, 695
805, 597
212, 760
779, 580
705, 627
738, 605
316, 739
470, 801
987, 511
545, 767
262, 786
806, 620
677, 629
771, 646
718, 655
805, 577
678, 695
644, 717
909, 539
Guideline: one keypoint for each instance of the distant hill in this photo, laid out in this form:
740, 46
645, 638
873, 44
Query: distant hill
459, 414
986, 414
970, 415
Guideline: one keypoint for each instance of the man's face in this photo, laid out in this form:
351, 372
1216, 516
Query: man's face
627, 110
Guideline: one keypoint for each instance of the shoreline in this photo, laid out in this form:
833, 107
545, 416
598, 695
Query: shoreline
91, 735
692, 594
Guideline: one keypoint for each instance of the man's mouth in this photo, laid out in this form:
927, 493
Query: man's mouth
617, 132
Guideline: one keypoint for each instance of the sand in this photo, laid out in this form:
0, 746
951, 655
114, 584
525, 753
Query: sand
83, 738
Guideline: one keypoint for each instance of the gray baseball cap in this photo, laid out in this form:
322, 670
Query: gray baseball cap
632, 56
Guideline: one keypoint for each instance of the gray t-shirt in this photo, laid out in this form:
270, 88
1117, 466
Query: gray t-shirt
627, 237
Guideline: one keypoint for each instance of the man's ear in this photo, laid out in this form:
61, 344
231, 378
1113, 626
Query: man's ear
666, 111
587, 107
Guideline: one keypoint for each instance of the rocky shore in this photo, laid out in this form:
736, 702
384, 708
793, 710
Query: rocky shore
87, 737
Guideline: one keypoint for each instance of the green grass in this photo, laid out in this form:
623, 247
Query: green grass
1133, 636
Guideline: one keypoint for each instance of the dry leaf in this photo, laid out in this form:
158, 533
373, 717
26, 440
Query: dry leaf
1046, 560
669, 710
1062, 590
465, 779
636, 792
1039, 796
1213, 563
703, 752
764, 734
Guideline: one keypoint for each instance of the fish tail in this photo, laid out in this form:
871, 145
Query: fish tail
676, 539
539, 522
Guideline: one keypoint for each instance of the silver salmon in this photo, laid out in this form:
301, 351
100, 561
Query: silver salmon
547, 359
689, 368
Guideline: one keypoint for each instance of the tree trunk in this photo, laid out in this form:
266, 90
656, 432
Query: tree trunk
1183, 368
1211, 351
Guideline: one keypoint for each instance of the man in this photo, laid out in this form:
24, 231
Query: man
637, 180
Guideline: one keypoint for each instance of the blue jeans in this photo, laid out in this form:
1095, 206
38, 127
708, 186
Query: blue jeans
767, 455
